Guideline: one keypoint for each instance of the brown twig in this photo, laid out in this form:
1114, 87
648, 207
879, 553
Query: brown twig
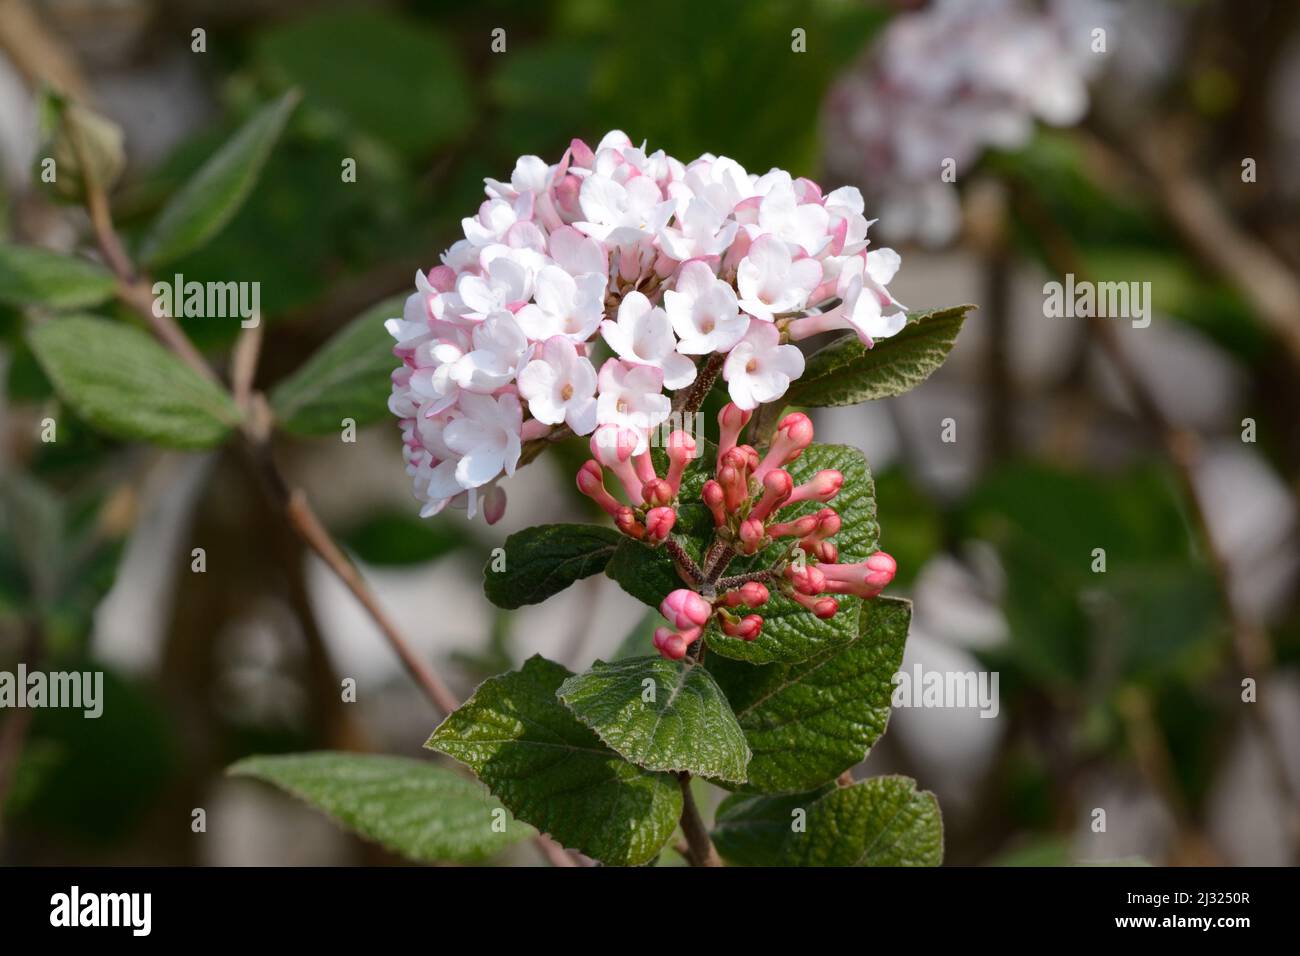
701, 850
13, 732
298, 512
1250, 646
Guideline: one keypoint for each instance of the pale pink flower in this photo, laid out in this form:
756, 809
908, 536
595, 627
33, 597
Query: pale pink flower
643, 334
560, 385
759, 369
703, 311
772, 282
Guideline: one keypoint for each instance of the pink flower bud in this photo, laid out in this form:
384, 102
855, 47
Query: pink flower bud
731, 420
823, 486
659, 523
807, 579
750, 594
798, 528
866, 579
747, 628
612, 446
591, 482
645, 466
793, 435
777, 486
670, 644
685, 609
626, 522
657, 492
581, 154
751, 535
881, 568
827, 552
681, 449
734, 488
494, 504
715, 501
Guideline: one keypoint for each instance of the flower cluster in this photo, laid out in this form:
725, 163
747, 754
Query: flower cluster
745, 497
582, 290
948, 82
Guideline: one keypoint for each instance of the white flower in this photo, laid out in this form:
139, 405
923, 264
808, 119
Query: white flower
495, 217
770, 282
432, 381
800, 224
500, 348
564, 306
759, 369
505, 284
703, 231
632, 396
619, 212
486, 436
577, 254
703, 311
644, 334
560, 386
865, 298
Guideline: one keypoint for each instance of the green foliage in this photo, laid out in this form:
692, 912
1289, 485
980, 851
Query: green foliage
846, 372
807, 722
546, 559
125, 384
550, 770
395, 79
685, 724
884, 821
347, 377
426, 813
211, 198
400, 537
32, 276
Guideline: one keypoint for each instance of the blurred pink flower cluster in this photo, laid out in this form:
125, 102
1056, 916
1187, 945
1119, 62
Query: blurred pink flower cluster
582, 290
948, 82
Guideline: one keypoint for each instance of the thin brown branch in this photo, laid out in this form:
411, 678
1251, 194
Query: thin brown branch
1262, 278
1251, 649
700, 847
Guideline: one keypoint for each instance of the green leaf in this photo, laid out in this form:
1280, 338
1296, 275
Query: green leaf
546, 559
347, 377
884, 821
686, 724
846, 372
424, 812
206, 203
809, 721
371, 71
125, 384
648, 573
553, 772
32, 276
790, 632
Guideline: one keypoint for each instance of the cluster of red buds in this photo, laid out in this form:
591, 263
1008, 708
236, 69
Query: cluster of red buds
651, 515
745, 497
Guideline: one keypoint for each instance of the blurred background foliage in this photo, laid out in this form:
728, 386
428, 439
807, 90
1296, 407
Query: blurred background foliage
1117, 689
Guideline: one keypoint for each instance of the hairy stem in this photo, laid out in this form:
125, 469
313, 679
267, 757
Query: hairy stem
688, 402
686, 566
